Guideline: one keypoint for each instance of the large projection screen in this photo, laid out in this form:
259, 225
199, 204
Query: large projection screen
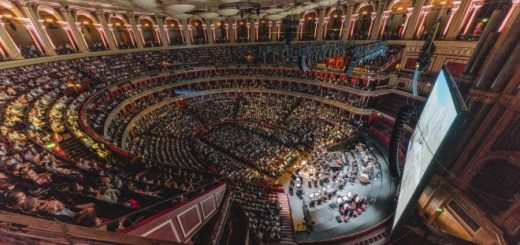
438, 115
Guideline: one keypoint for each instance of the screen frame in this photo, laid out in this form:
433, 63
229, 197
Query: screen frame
460, 108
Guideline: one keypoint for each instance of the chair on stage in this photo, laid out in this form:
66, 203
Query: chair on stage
346, 218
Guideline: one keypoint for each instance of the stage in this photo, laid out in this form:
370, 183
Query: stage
380, 193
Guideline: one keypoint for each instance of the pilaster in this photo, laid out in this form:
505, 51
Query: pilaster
321, 23
76, 34
107, 31
38, 29
162, 31
136, 30
374, 34
412, 21
12, 50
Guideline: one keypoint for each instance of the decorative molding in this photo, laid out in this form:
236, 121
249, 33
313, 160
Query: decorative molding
181, 224
168, 222
211, 211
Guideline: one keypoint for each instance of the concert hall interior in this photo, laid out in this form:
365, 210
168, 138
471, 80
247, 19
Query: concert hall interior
249, 122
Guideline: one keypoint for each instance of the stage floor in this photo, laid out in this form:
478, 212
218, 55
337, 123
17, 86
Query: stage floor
382, 188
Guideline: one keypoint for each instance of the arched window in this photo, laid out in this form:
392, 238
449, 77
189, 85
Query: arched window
16, 27
121, 31
148, 32
220, 32
397, 19
174, 32
263, 30
362, 25
478, 18
309, 27
90, 31
242, 31
54, 27
198, 34
334, 25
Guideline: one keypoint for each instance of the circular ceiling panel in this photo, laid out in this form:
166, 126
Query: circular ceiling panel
297, 10
274, 10
180, 8
208, 15
182, 16
145, 3
229, 1
310, 6
228, 12
274, 17
255, 16
123, 3
327, 3
236, 17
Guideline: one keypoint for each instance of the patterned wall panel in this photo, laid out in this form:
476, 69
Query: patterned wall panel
180, 223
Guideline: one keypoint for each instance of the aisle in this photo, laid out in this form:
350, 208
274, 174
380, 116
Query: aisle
286, 220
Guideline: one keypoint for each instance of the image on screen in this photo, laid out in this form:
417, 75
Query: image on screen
438, 115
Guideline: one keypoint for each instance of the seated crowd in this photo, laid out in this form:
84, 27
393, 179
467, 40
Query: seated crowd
262, 211
42, 104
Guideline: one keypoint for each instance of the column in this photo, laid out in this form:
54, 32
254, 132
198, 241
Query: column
250, 34
474, 11
319, 27
38, 30
498, 56
325, 27
34, 35
12, 50
343, 18
353, 20
412, 22
163, 32
348, 17
229, 35
511, 10
373, 16
210, 30
257, 26
409, 12
458, 19
272, 35
384, 19
454, 9
235, 33
138, 37
278, 29
185, 32
105, 31
378, 20
75, 31
206, 35
300, 29
485, 43
68, 31
422, 18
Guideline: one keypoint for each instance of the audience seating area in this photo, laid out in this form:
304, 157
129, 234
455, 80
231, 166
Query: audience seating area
57, 136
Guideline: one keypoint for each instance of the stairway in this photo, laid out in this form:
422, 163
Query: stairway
286, 220
75, 148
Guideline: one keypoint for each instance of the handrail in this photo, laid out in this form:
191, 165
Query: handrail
215, 182
43, 229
